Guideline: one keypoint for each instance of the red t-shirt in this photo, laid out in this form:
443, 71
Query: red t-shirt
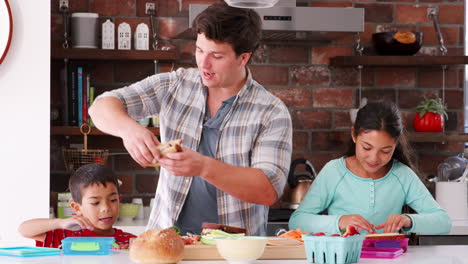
54, 238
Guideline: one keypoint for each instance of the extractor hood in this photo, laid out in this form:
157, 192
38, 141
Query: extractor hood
298, 23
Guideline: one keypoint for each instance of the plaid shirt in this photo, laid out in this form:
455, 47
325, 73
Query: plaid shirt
256, 133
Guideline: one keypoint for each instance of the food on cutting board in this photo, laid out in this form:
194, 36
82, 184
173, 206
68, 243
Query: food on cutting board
209, 227
297, 234
210, 231
169, 147
157, 246
385, 236
294, 234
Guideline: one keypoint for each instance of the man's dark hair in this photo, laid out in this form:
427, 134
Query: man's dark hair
240, 27
87, 175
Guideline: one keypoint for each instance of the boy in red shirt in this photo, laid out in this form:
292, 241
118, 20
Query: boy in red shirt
95, 192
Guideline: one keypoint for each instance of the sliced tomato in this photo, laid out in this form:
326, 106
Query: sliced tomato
350, 231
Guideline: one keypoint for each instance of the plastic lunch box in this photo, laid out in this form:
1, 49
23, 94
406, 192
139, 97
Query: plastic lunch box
29, 251
383, 253
387, 243
87, 245
330, 250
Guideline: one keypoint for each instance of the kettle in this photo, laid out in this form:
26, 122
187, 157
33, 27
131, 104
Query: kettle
300, 183
452, 168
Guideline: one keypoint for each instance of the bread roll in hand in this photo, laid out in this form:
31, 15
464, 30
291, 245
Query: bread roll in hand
157, 246
169, 147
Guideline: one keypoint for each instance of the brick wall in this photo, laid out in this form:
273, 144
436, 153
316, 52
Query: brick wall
319, 96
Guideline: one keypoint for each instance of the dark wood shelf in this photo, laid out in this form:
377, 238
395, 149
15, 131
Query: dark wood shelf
75, 131
58, 52
398, 60
437, 137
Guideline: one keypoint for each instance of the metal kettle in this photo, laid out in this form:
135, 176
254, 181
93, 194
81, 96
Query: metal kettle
300, 183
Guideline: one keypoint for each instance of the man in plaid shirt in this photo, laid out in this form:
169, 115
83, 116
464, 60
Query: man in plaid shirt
237, 137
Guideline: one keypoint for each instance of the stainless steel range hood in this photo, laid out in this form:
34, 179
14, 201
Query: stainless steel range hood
299, 23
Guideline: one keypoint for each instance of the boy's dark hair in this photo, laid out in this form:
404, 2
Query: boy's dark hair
240, 27
384, 116
87, 175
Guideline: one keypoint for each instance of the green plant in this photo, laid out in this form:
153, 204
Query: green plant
433, 105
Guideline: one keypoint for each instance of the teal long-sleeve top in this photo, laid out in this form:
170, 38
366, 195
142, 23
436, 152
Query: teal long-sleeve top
341, 192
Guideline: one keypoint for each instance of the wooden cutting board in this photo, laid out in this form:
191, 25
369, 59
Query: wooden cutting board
205, 252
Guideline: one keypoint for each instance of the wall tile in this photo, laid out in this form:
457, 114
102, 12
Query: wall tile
406, 14
288, 54
395, 77
293, 97
311, 119
113, 7
301, 141
327, 97
270, 75
451, 14
310, 75
326, 141
450, 35
377, 13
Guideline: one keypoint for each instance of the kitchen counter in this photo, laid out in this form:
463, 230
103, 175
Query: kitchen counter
415, 255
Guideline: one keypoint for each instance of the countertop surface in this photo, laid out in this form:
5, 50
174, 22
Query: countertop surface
138, 226
415, 255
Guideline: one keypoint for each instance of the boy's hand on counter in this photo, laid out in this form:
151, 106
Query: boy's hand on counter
356, 221
76, 223
395, 222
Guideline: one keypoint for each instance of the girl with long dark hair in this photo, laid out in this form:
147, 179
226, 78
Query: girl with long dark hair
368, 187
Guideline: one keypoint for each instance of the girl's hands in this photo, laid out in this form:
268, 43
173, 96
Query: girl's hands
395, 222
76, 223
357, 221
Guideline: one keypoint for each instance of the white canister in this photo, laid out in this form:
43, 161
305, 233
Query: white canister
453, 197
85, 29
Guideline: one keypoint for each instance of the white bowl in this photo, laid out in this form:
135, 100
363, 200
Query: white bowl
239, 250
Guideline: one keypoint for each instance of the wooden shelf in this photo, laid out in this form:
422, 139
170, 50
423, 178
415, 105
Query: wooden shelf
75, 131
398, 60
58, 52
437, 137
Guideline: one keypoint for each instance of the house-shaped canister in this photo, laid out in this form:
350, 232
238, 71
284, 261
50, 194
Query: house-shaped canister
124, 36
108, 35
141, 37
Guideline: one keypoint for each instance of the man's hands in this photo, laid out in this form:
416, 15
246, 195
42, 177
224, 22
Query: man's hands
76, 223
185, 163
357, 221
141, 145
395, 222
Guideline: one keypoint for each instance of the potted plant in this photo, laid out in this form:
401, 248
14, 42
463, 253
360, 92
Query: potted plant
430, 116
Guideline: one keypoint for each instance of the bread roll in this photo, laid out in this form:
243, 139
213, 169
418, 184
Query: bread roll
157, 246
169, 147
